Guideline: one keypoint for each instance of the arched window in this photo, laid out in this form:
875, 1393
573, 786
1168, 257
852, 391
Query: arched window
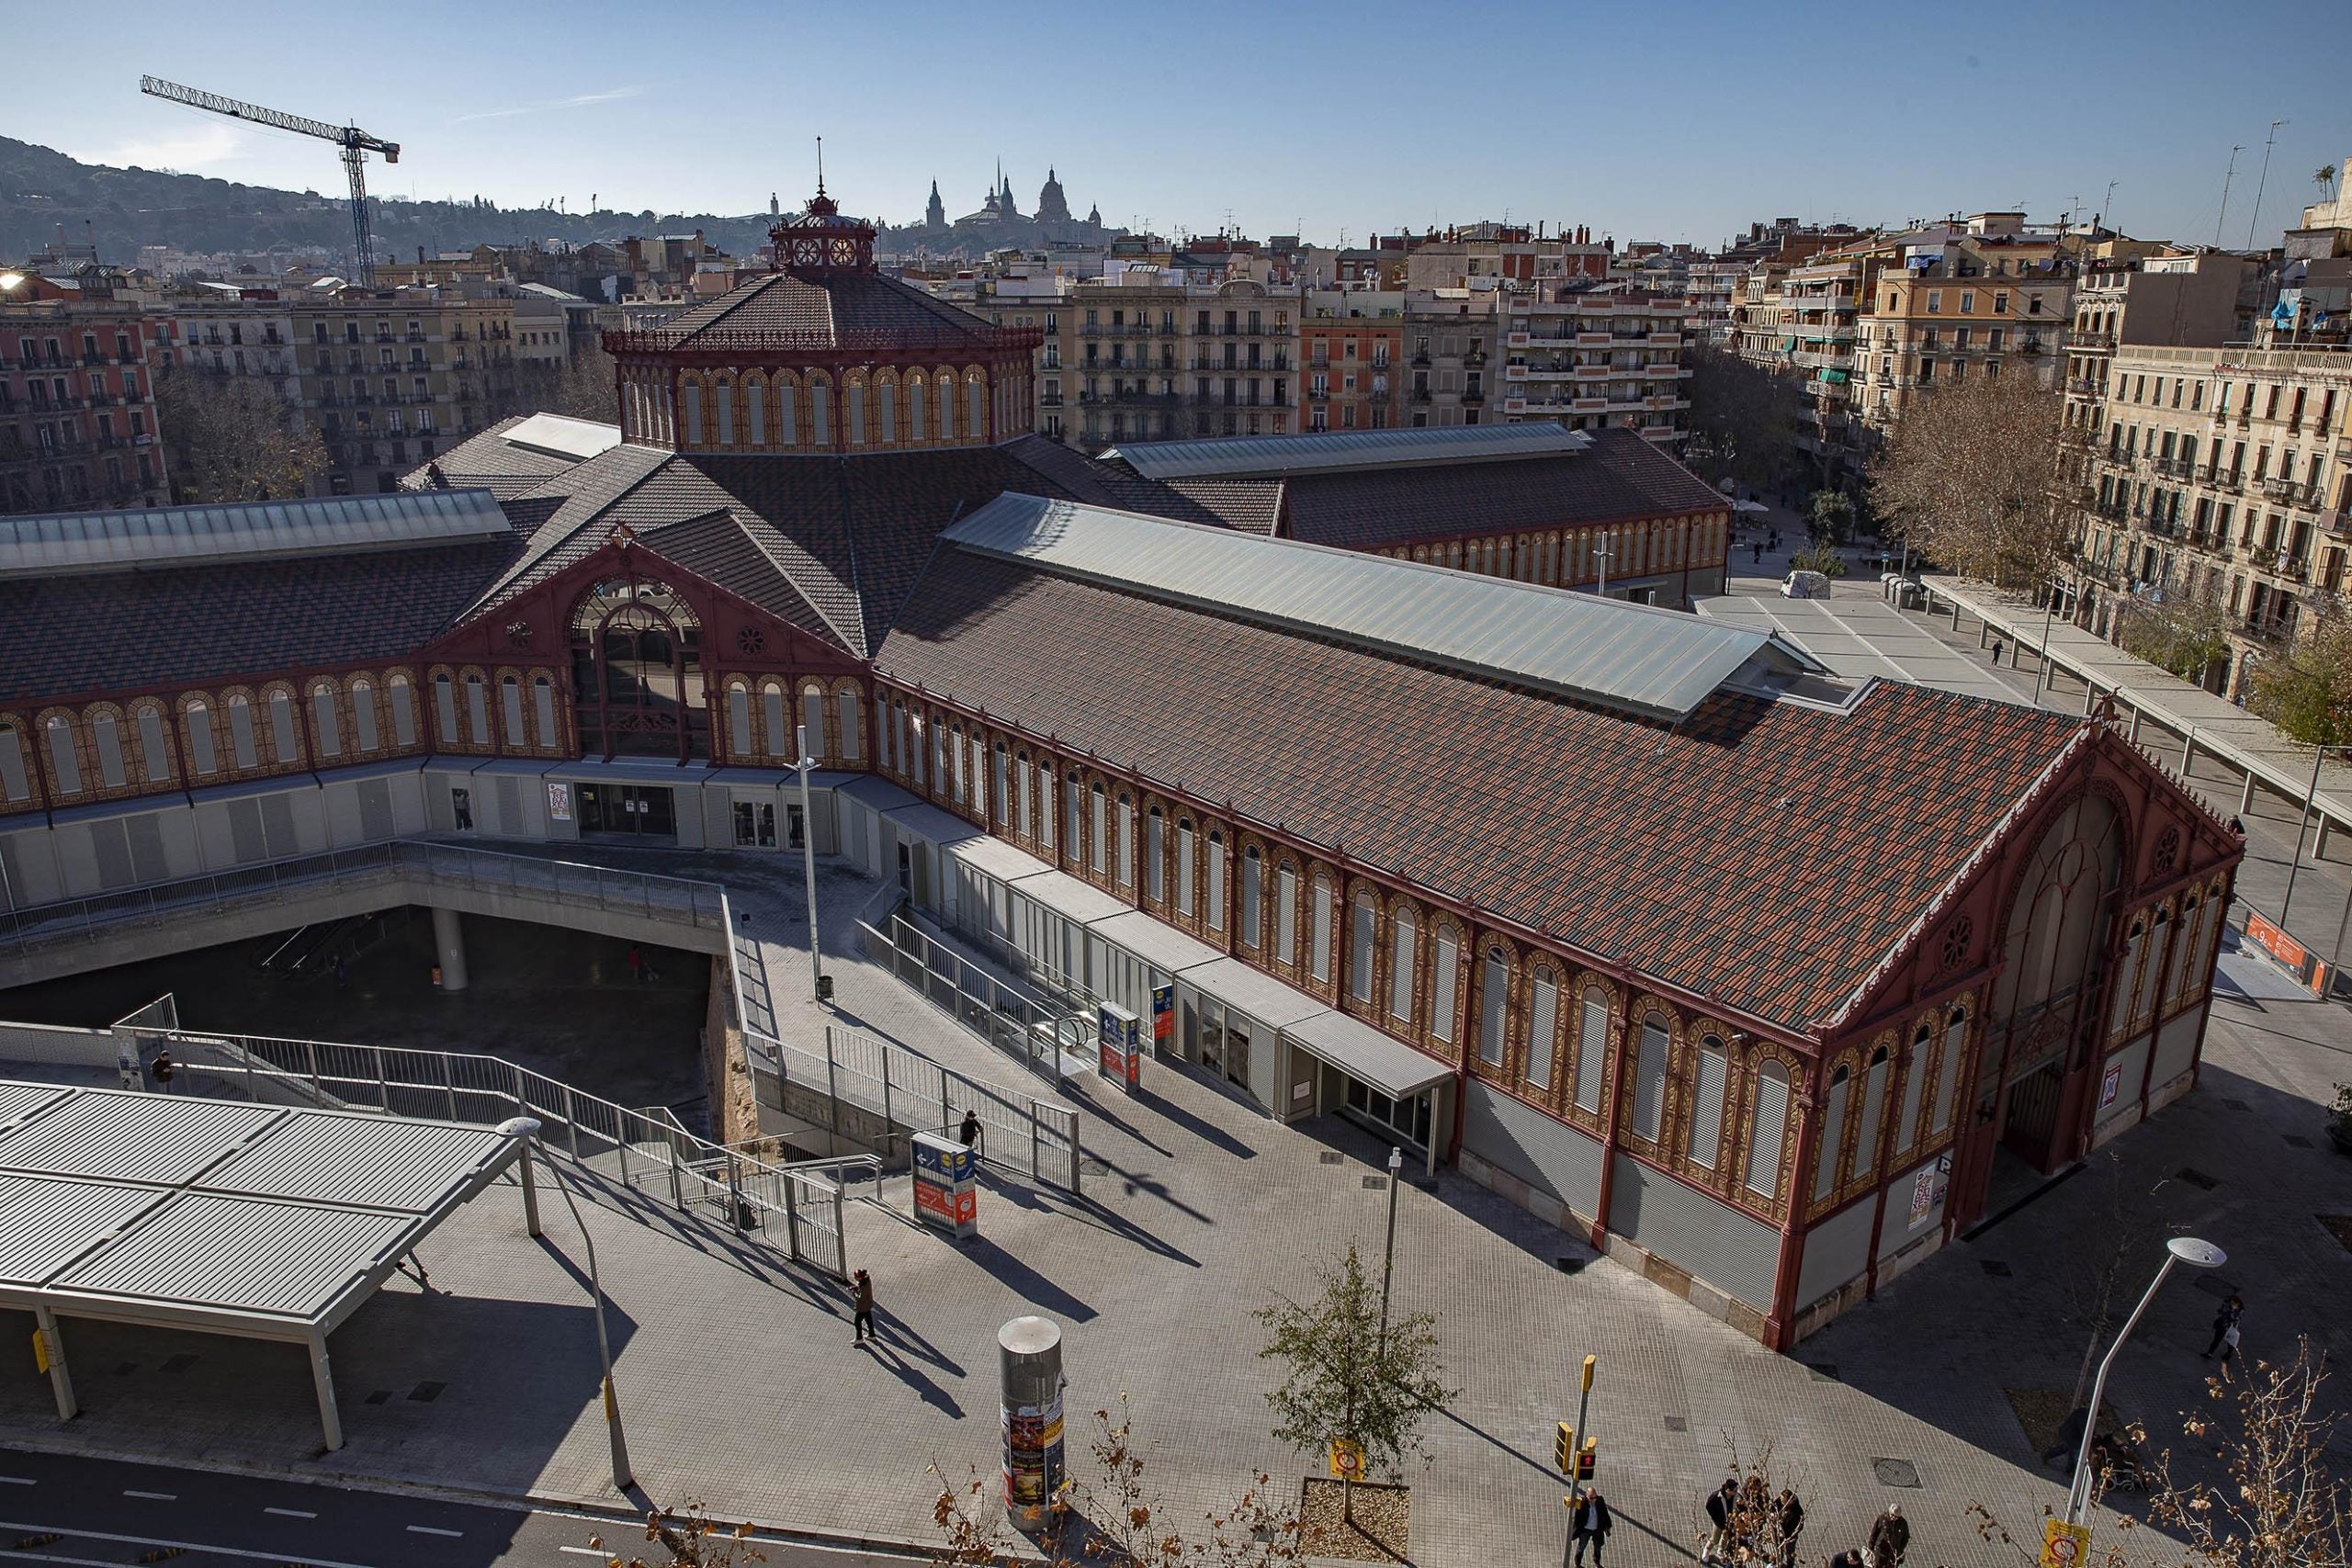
1253, 923
1286, 914
364, 726
154, 750
976, 416
788, 415
196, 719
947, 408
1183, 866
1404, 963
1592, 1047
324, 725
1445, 984
64, 763
724, 425
889, 400
755, 404
16, 776
1360, 932
1216, 881
106, 739
543, 707
1873, 1103
820, 411
1155, 843
1073, 798
2153, 967
1649, 1077
1710, 1076
1494, 1007
283, 744
812, 721
853, 741
1766, 1125
1318, 940
1948, 1069
1915, 1079
997, 796
1098, 849
915, 405
398, 696
1833, 1132
692, 398
1046, 813
739, 719
247, 750
1127, 841
477, 710
854, 405
1542, 1025
510, 710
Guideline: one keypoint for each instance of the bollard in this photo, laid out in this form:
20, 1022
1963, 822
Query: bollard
1030, 1371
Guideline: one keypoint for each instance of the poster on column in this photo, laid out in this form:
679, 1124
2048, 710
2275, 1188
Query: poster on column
1033, 1456
1163, 1016
558, 801
1121, 1034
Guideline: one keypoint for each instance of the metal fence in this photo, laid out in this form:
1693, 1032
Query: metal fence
669, 898
645, 1150
1031, 1028
879, 1095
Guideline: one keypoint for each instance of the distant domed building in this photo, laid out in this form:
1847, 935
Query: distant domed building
1052, 205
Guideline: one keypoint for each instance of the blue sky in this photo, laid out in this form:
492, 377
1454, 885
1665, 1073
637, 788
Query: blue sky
1682, 121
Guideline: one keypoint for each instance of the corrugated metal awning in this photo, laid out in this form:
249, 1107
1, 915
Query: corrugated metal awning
1392, 1068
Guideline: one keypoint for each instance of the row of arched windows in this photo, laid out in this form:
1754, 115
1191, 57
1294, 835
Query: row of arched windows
2167, 960
889, 408
1558, 557
1886, 1102
764, 722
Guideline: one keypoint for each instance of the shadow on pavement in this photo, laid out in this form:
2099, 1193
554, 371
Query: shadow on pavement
1026, 1281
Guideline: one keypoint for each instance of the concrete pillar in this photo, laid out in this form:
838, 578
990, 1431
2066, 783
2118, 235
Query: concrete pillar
531, 1189
323, 1378
2189, 751
449, 949
2319, 847
2137, 715
1029, 1362
2245, 797
61, 1381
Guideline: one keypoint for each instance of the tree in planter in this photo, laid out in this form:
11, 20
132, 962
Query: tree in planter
2267, 1498
1345, 1378
2307, 690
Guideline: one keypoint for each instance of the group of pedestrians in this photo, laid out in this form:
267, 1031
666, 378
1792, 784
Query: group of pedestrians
1748, 1525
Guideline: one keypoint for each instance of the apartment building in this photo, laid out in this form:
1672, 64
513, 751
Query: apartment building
77, 397
2224, 476
1821, 304
231, 330
1593, 359
1449, 336
390, 379
1351, 359
2190, 299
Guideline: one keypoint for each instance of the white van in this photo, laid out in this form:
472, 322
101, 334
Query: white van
1805, 586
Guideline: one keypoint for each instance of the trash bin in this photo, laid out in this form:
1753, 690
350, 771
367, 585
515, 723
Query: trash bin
825, 989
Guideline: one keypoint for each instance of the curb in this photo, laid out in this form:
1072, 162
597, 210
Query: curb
528, 1502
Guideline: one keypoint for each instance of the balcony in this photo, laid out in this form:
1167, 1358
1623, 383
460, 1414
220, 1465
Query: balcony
2100, 341
1421, 359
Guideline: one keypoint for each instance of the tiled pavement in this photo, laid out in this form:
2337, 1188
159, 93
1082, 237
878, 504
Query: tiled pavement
740, 1383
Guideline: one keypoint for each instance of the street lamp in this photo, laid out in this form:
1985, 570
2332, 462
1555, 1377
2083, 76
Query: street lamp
2054, 588
2179, 1249
523, 1130
1388, 1263
2310, 797
804, 766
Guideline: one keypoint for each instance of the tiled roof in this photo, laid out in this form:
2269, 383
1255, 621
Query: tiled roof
838, 308
1765, 854
487, 460
1622, 476
124, 630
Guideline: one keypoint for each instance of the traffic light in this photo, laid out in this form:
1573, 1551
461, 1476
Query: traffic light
1564, 1448
1589, 1363
1585, 1458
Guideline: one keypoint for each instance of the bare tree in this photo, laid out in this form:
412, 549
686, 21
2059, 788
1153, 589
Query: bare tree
1742, 417
228, 438
689, 1538
2183, 630
2307, 690
1971, 478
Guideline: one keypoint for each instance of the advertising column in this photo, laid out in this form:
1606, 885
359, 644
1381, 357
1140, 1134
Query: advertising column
1121, 1036
1030, 1362
945, 1192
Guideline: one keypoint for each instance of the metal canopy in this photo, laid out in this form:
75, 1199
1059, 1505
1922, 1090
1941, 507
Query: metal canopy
1240, 456
1658, 662
254, 1221
562, 436
1357, 1048
153, 536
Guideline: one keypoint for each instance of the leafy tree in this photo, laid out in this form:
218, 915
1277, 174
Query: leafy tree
1971, 478
2307, 690
228, 438
1831, 522
1347, 1379
2184, 632
1742, 417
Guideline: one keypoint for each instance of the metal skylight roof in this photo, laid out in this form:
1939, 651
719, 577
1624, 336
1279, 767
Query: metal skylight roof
564, 437
153, 536
1658, 662
1238, 456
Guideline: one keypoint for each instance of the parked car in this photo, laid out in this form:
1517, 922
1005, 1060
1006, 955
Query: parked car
1805, 586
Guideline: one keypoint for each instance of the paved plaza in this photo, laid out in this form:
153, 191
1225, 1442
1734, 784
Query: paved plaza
740, 1383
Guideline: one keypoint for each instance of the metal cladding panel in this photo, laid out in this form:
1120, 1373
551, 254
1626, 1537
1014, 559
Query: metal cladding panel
165, 536
249, 1255
1392, 1068
1548, 1154
20, 1099
408, 1166
1654, 661
156, 1138
1704, 1236
1249, 455
1836, 1250
47, 1222
2175, 1049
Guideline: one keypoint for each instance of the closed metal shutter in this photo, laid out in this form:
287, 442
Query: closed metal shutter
1549, 1155
148, 862
376, 809
1704, 1236
1835, 1251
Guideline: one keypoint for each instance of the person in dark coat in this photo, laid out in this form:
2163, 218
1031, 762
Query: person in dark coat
1720, 1504
862, 1283
1849, 1558
162, 1068
1788, 1523
1590, 1526
970, 1132
2225, 1320
1890, 1538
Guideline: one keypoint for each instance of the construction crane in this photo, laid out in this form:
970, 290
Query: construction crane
355, 144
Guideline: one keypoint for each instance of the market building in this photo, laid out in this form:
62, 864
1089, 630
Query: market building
1645, 920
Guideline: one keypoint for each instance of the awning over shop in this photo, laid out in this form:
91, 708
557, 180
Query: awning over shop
1161, 946
1066, 896
927, 821
1261, 996
1395, 1070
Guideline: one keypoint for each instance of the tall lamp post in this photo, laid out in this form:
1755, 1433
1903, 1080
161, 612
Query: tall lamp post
2179, 1249
804, 767
524, 1130
2310, 798
1388, 1263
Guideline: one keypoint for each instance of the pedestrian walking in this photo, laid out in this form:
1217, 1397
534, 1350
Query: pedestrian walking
1788, 1523
1720, 1504
2232, 1308
1890, 1537
2229, 1351
1591, 1526
862, 1323
1997, 653
637, 964
162, 1069
970, 1132
1760, 552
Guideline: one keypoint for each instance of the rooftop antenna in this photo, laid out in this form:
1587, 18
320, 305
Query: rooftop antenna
2222, 217
820, 165
2107, 209
2260, 185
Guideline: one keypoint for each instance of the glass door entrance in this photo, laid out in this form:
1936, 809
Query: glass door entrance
638, 811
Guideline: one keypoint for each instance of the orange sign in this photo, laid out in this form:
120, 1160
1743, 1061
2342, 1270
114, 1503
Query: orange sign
2277, 943
2063, 1545
1347, 1460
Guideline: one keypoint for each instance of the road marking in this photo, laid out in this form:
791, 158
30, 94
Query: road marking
18, 1481
584, 1550
429, 1529
153, 1497
291, 1512
278, 1558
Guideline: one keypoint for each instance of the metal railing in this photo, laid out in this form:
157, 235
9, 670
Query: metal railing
669, 898
1033, 1028
647, 1151
869, 1091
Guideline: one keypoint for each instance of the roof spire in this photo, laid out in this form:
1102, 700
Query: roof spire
820, 165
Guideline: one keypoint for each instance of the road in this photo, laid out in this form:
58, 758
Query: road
65, 1508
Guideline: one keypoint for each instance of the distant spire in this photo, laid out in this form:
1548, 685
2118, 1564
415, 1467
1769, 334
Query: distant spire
820, 165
